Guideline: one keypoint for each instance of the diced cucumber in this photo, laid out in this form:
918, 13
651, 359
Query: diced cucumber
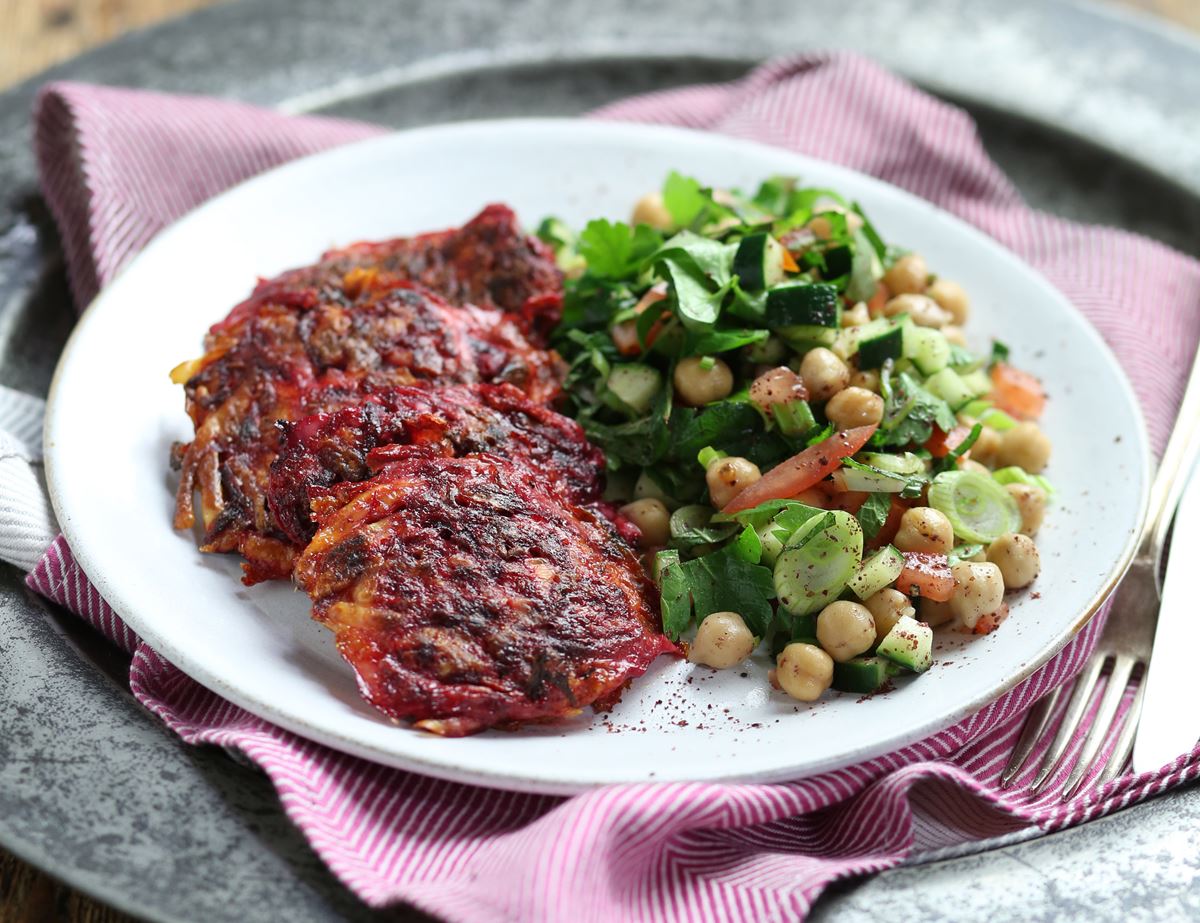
879, 570
863, 675
635, 386
875, 350
926, 347
793, 629
758, 262
949, 386
850, 339
977, 382
803, 337
909, 644
818, 561
904, 463
809, 304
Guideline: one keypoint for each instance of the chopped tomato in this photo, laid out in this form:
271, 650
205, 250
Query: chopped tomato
624, 335
941, 443
890, 526
1016, 392
849, 500
990, 621
803, 470
876, 302
927, 575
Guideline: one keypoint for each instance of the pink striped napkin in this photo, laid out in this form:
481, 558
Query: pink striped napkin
117, 165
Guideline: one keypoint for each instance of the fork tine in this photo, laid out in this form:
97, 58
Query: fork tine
1120, 754
1070, 722
1109, 703
1035, 724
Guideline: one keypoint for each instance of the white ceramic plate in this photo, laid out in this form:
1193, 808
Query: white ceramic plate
113, 415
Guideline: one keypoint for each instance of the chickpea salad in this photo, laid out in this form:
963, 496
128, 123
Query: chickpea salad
813, 459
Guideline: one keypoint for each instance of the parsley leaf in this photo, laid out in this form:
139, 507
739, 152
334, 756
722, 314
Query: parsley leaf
616, 251
999, 353
717, 582
873, 514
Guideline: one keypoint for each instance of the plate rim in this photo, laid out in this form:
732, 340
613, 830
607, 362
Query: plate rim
534, 783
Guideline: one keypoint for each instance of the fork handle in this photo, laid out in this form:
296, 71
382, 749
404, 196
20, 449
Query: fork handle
1177, 461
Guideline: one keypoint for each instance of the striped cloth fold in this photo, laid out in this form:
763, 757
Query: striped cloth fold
117, 165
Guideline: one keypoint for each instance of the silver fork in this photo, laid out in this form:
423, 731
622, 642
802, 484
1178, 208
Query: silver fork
1124, 645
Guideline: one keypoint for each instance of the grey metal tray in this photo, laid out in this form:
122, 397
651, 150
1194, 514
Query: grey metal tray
1092, 113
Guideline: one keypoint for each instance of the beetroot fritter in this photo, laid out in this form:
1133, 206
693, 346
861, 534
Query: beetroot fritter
325, 449
466, 595
487, 262
291, 351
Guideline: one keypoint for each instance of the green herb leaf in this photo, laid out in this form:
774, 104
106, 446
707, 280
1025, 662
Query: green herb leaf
616, 251
873, 514
999, 353
684, 198
718, 582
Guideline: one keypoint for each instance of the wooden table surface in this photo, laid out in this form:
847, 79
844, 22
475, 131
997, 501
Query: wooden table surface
35, 34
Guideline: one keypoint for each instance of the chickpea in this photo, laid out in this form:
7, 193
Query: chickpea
987, 446
845, 629
824, 373
652, 519
921, 310
887, 607
952, 297
954, 335
722, 641
728, 477
803, 671
696, 385
854, 407
650, 209
1017, 557
856, 316
813, 497
822, 227
924, 529
908, 275
1031, 501
867, 380
645, 487
769, 352
1025, 446
934, 613
968, 464
978, 590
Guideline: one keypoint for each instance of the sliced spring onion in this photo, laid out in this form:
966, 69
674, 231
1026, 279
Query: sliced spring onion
868, 480
1017, 475
879, 570
794, 418
818, 562
906, 463
979, 509
708, 455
